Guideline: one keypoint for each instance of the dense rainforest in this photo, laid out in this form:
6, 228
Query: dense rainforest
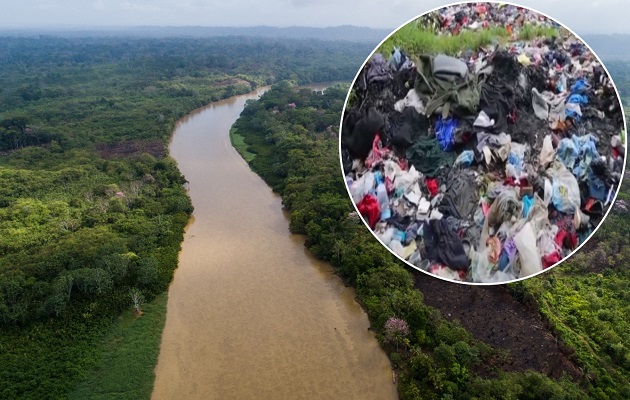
92, 209
92, 212
578, 310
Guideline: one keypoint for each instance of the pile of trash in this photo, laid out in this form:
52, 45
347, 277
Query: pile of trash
451, 20
489, 166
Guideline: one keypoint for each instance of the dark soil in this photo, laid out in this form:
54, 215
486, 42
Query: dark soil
130, 148
492, 315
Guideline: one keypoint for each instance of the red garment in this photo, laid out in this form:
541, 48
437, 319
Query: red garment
566, 239
377, 153
369, 208
615, 152
432, 186
550, 259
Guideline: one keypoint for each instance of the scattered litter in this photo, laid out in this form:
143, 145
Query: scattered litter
492, 164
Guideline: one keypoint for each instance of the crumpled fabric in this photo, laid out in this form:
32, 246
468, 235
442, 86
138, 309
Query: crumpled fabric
506, 207
587, 152
465, 158
548, 105
442, 79
427, 156
497, 102
445, 246
404, 128
528, 202
567, 153
573, 111
492, 140
377, 71
580, 86
597, 187
566, 239
578, 99
411, 100
515, 160
494, 249
432, 186
550, 259
359, 133
369, 208
377, 154
449, 68
462, 195
445, 132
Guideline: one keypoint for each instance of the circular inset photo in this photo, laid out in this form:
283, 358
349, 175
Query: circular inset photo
482, 143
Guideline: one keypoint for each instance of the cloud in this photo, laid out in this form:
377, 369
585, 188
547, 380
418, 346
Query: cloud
602, 16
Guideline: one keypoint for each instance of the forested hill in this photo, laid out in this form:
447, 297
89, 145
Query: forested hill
345, 33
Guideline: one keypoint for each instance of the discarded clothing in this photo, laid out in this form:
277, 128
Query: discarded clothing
445, 132
488, 165
427, 156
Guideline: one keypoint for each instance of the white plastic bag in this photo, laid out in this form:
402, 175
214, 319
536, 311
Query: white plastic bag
565, 189
528, 254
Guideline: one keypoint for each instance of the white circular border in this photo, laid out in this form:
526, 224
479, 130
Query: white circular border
345, 104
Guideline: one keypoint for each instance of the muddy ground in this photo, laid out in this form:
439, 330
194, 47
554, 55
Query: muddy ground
131, 147
492, 315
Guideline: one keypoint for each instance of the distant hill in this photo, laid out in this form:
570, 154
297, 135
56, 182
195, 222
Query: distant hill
338, 33
610, 47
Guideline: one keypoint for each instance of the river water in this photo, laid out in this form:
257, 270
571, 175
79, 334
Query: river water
251, 314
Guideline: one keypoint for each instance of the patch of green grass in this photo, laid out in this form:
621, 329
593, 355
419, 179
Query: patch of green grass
529, 32
130, 351
238, 141
418, 40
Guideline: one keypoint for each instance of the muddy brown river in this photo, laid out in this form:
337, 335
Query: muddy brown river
251, 314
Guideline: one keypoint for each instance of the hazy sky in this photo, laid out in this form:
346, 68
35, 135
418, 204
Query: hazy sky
599, 16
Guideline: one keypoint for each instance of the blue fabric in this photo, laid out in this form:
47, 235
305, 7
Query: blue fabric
578, 99
579, 87
378, 177
567, 152
445, 132
597, 187
395, 61
528, 202
573, 115
466, 158
399, 235
504, 260
587, 152
516, 160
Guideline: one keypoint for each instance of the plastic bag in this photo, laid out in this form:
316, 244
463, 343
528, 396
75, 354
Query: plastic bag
547, 152
528, 254
514, 166
565, 189
362, 186
484, 271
